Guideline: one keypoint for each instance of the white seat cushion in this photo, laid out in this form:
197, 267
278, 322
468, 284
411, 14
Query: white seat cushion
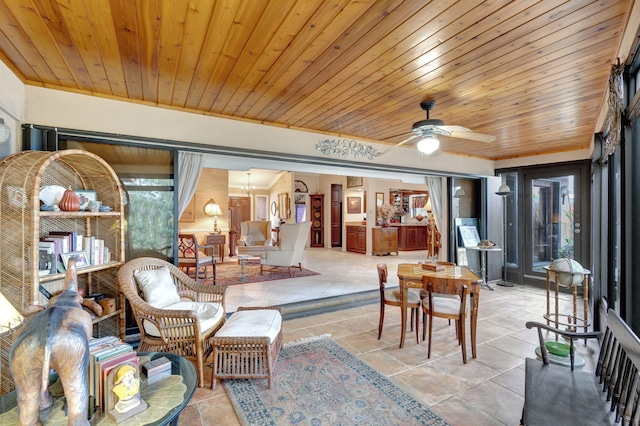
253, 323
444, 305
209, 315
412, 297
157, 286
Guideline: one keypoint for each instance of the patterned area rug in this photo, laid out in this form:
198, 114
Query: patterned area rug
229, 273
320, 383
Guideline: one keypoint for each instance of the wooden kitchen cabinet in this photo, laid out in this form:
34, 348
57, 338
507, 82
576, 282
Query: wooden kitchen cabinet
384, 240
357, 239
412, 238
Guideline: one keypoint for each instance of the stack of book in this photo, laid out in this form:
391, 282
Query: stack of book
157, 369
105, 354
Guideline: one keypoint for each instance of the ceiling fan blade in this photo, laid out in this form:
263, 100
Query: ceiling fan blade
464, 133
410, 138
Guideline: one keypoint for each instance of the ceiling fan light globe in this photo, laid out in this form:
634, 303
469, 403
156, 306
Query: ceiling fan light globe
428, 145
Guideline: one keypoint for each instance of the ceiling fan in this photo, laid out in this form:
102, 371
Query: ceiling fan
428, 130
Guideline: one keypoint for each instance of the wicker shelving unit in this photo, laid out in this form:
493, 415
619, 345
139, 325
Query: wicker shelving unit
22, 224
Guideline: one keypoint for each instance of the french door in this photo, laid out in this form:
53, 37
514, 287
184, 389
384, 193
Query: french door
553, 218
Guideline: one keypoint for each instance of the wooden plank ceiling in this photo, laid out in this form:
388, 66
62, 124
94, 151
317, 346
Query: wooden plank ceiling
532, 73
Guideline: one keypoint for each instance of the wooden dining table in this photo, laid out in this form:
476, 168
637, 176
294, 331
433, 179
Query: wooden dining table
410, 276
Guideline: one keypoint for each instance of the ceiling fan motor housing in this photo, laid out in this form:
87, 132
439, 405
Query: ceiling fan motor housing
426, 124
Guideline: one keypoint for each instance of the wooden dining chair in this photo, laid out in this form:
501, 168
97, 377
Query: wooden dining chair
392, 298
440, 303
423, 293
192, 255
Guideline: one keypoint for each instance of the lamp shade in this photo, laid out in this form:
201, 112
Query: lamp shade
212, 208
5, 131
428, 145
459, 193
504, 190
10, 318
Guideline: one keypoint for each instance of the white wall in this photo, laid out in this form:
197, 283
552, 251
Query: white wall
12, 105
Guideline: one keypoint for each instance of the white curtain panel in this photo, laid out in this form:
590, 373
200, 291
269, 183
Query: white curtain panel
190, 166
435, 193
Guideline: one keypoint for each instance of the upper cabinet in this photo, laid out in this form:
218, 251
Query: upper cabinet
23, 224
413, 203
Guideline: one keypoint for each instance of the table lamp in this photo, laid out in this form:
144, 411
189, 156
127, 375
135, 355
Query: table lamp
10, 318
213, 209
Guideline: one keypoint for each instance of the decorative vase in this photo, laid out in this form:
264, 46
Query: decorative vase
385, 223
69, 201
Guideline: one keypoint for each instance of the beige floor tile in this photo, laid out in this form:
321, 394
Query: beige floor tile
457, 411
383, 362
512, 380
514, 346
433, 383
472, 372
496, 401
496, 358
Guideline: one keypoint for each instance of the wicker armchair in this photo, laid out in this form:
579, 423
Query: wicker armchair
176, 331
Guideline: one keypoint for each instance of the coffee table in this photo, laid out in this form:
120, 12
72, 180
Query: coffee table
176, 399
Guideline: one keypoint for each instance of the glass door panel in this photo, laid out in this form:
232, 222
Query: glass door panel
552, 230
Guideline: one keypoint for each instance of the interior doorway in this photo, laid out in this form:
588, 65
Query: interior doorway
239, 211
336, 215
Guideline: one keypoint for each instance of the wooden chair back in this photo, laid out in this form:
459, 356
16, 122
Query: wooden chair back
439, 304
445, 286
191, 255
187, 246
382, 277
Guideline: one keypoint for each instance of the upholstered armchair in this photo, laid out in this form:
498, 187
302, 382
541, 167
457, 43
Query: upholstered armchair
293, 239
253, 235
173, 312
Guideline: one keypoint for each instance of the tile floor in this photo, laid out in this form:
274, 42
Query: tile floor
487, 391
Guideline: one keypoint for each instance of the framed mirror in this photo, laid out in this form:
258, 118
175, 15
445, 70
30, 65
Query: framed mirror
379, 202
284, 205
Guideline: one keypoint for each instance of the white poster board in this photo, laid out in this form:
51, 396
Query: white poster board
469, 236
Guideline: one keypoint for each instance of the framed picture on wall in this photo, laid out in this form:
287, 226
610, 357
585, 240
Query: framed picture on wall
354, 181
189, 214
354, 205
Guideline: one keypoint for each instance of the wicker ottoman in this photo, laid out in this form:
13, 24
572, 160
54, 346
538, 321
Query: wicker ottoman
248, 344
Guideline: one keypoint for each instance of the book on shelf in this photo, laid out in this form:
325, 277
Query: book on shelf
88, 242
57, 246
70, 238
106, 353
98, 252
